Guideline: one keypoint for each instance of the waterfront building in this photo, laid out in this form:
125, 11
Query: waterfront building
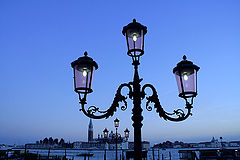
214, 143
234, 144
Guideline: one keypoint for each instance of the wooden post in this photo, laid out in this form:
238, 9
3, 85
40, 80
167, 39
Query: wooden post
65, 154
105, 154
158, 154
48, 153
122, 155
25, 152
7, 154
170, 156
153, 153
162, 157
37, 155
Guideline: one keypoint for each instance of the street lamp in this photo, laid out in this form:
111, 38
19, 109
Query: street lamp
105, 133
134, 33
84, 68
116, 124
185, 72
126, 133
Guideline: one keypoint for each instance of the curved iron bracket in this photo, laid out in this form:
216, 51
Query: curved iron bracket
179, 113
94, 112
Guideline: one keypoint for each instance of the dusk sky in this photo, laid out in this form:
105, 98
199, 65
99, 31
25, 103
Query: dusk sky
39, 40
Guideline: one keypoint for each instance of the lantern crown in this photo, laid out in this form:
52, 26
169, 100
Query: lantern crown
134, 25
185, 64
85, 60
105, 130
126, 130
116, 120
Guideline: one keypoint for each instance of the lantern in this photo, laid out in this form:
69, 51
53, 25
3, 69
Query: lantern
116, 123
134, 33
186, 76
126, 133
105, 133
84, 68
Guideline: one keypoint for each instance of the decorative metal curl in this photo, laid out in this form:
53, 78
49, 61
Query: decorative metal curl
167, 116
92, 110
149, 108
178, 112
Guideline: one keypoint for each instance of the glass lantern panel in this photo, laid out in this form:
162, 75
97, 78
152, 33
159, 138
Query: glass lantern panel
178, 82
188, 79
105, 134
126, 134
135, 41
116, 124
83, 78
189, 84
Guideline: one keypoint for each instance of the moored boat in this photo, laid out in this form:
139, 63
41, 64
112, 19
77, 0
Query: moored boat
210, 154
85, 154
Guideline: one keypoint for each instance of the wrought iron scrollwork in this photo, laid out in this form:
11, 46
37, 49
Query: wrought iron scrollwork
179, 113
96, 113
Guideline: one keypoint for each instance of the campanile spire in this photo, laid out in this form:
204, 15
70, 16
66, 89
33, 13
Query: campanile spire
90, 131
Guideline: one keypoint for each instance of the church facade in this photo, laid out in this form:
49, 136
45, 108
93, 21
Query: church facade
108, 141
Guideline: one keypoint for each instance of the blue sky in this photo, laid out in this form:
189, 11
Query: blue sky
39, 40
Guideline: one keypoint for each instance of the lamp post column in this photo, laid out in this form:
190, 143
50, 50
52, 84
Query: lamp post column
137, 115
116, 144
116, 123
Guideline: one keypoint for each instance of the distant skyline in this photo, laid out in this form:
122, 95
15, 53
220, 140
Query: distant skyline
39, 40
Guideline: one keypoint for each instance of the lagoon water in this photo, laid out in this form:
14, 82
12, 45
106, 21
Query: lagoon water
110, 154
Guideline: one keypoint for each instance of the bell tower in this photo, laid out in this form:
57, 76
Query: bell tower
90, 131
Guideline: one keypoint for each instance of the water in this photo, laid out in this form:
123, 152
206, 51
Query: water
110, 154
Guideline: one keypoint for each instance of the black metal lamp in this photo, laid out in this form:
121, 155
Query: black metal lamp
186, 76
126, 133
134, 33
84, 68
105, 133
116, 123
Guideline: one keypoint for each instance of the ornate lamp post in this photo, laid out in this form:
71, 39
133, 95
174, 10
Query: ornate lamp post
185, 72
116, 124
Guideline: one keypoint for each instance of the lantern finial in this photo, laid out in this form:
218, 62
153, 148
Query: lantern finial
85, 53
134, 20
184, 57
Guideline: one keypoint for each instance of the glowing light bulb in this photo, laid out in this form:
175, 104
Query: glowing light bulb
185, 77
84, 73
135, 38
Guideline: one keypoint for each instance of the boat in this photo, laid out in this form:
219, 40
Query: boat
210, 154
85, 155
